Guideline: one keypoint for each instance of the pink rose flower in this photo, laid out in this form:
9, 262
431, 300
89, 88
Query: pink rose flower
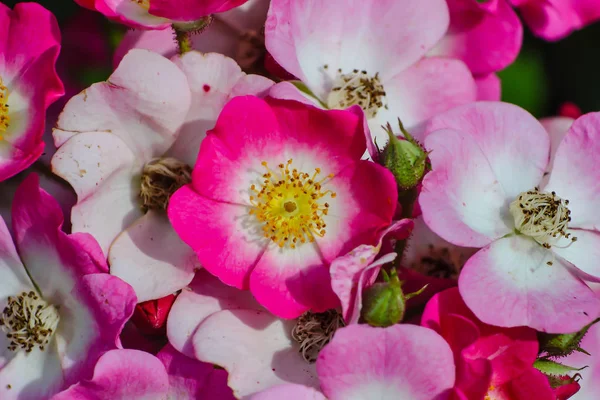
28, 83
422, 367
138, 148
158, 14
368, 53
277, 193
58, 285
490, 361
488, 188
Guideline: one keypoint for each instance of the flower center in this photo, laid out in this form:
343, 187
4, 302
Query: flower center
161, 178
440, 263
28, 321
290, 205
313, 331
357, 87
145, 4
4, 119
542, 216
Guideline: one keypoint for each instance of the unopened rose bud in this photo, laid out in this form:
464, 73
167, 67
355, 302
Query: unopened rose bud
150, 316
384, 303
405, 158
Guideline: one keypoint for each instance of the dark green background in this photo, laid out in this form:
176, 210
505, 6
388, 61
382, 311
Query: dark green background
544, 76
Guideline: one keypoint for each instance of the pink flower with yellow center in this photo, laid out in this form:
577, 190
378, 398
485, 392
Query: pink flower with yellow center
277, 193
28, 83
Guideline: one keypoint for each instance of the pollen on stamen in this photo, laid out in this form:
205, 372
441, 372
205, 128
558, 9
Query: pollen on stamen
4, 118
289, 204
357, 88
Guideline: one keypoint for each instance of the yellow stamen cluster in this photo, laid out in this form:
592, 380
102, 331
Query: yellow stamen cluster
542, 216
28, 321
357, 87
290, 204
4, 119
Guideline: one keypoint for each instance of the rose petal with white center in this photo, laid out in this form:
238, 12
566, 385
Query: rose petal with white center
583, 253
152, 258
509, 283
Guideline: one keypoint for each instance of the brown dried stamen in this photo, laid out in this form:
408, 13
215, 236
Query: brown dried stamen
29, 321
161, 178
313, 331
358, 87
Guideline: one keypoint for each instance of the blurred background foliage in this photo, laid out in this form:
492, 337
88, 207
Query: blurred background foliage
544, 76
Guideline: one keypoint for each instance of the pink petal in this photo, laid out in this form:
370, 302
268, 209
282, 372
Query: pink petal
206, 296
191, 379
275, 131
423, 366
575, 175
288, 91
190, 10
530, 292
122, 374
151, 258
289, 392
489, 154
489, 87
255, 348
583, 253
219, 234
100, 167
213, 79
14, 277
555, 19
129, 13
530, 385
294, 34
557, 128
426, 89
144, 103
486, 41
53, 259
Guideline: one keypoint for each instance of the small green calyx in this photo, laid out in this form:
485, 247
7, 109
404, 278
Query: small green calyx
558, 374
405, 158
384, 303
561, 345
185, 29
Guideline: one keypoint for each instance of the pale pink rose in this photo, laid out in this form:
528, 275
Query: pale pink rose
488, 189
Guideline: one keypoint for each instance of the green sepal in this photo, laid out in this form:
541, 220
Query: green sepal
561, 345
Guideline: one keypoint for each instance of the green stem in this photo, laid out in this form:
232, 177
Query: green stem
184, 41
407, 200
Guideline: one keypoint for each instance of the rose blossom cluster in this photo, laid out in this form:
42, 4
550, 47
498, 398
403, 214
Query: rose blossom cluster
299, 199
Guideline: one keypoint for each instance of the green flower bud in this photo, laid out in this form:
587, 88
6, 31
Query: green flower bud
405, 158
384, 303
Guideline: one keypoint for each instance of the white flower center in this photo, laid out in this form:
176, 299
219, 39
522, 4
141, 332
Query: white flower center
357, 87
314, 330
542, 216
28, 321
